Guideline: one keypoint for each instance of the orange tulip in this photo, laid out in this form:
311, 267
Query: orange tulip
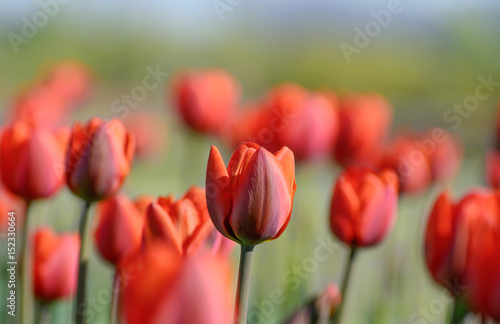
165, 288
183, 224
205, 99
32, 161
363, 209
55, 264
251, 201
365, 121
98, 159
119, 229
70, 80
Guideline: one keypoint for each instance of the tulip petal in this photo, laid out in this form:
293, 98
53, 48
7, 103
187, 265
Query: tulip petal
217, 191
345, 209
159, 225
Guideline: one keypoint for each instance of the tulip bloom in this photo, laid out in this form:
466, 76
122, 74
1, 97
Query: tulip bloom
493, 168
454, 232
183, 224
55, 264
363, 209
251, 201
119, 229
410, 162
205, 99
98, 159
31, 161
364, 121
149, 133
165, 288
70, 80
305, 122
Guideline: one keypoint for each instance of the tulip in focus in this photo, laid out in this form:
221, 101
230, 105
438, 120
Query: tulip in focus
363, 209
165, 288
183, 224
118, 234
205, 99
365, 121
55, 264
98, 159
31, 161
251, 200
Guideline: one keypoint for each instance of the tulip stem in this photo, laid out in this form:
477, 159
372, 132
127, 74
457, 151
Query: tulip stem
242, 293
114, 298
82, 266
345, 283
43, 313
25, 268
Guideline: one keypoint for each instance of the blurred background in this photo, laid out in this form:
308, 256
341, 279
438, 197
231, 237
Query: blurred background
424, 59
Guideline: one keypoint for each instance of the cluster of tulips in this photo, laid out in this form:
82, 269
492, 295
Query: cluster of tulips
172, 256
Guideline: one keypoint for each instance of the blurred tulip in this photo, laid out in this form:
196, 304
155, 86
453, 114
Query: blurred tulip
363, 209
165, 288
142, 203
70, 80
320, 309
454, 232
410, 162
251, 201
365, 121
10, 203
39, 107
55, 264
205, 99
305, 122
119, 228
444, 152
32, 161
183, 224
98, 159
493, 168
149, 133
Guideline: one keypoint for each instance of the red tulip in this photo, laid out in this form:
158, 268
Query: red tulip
31, 161
119, 229
251, 201
410, 162
98, 159
363, 209
454, 233
364, 121
10, 203
142, 203
167, 289
70, 80
183, 224
150, 134
305, 122
206, 99
55, 264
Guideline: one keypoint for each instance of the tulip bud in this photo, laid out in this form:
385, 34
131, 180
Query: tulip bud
119, 229
55, 264
363, 209
98, 159
251, 201
31, 161
165, 288
205, 99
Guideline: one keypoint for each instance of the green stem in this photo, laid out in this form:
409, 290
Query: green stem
345, 284
25, 267
84, 226
242, 293
43, 313
114, 298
